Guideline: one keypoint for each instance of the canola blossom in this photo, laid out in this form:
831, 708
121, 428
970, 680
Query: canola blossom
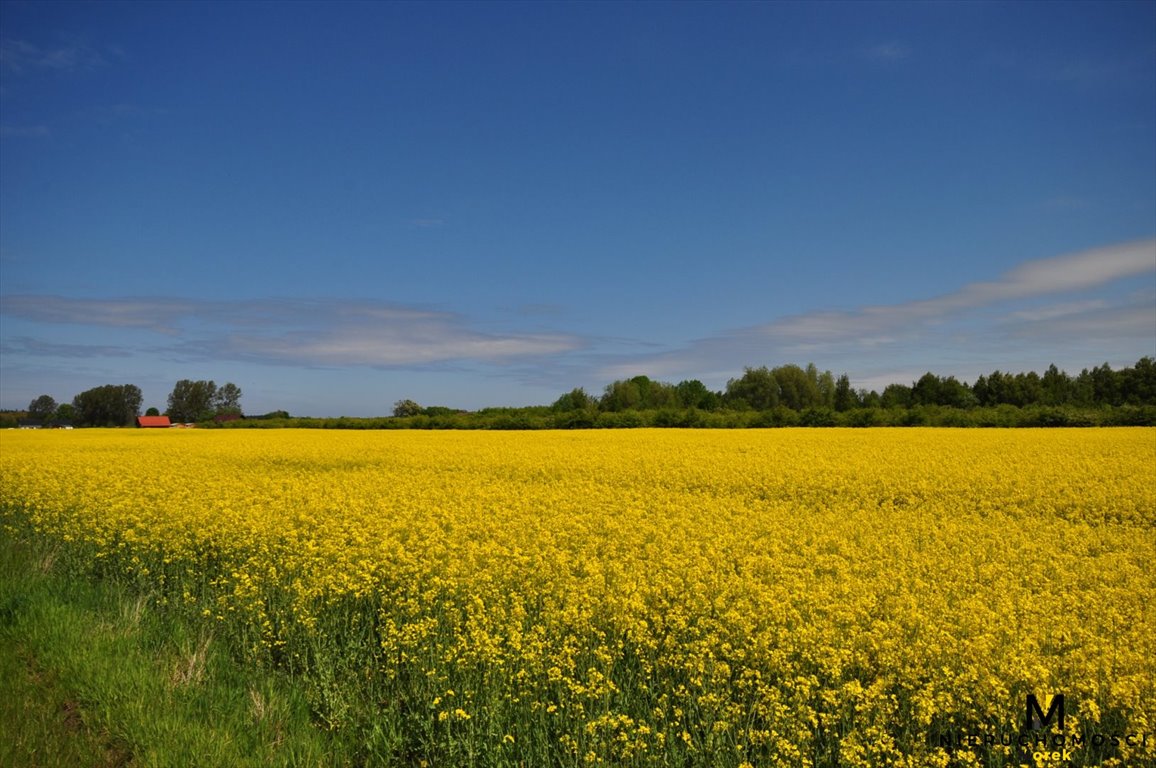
646, 597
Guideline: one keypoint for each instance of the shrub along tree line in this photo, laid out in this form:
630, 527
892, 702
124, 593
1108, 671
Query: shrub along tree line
791, 395
118, 405
111, 405
788, 395
192, 401
794, 396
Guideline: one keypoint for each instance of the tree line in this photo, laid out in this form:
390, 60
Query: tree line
119, 405
786, 395
792, 395
800, 389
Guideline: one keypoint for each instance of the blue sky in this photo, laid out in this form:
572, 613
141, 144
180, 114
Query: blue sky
339, 205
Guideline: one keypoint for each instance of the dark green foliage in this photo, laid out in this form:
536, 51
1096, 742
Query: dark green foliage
271, 415
65, 414
619, 420
438, 411
817, 417
844, 398
638, 393
798, 388
793, 396
896, 396
1138, 383
227, 399
42, 409
932, 390
192, 401
788, 395
757, 389
694, 394
113, 405
575, 419
574, 400
404, 408
863, 417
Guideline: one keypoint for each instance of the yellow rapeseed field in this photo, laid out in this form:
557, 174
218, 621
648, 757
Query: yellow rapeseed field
647, 597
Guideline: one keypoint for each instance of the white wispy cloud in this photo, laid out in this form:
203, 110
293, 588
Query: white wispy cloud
1061, 310
18, 56
1096, 321
1123, 68
309, 332
160, 315
863, 333
1055, 309
11, 131
1066, 204
887, 51
33, 347
1042, 277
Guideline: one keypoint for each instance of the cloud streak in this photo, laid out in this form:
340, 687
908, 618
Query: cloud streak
10, 131
26, 345
1043, 277
1072, 305
861, 330
159, 315
305, 332
889, 51
19, 56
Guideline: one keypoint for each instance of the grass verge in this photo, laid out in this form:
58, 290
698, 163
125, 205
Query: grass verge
94, 678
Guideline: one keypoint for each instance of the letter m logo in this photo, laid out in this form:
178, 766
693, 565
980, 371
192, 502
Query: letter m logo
1036, 719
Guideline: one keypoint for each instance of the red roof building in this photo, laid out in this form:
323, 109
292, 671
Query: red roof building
153, 421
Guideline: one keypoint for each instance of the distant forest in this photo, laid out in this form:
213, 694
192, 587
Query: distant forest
788, 395
791, 395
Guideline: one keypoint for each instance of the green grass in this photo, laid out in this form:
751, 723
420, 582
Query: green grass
93, 677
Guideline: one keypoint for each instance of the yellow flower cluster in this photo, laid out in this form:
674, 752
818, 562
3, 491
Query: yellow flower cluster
649, 597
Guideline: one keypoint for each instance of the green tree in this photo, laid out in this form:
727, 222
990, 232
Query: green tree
111, 405
996, 389
981, 391
1083, 391
1028, 389
227, 399
1138, 383
659, 394
757, 389
404, 408
955, 393
192, 400
869, 398
827, 385
844, 398
1056, 386
574, 400
65, 413
640, 392
1105, 386
926, 390
895, 396
621, 395
42, 409
798, 388
694, 394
